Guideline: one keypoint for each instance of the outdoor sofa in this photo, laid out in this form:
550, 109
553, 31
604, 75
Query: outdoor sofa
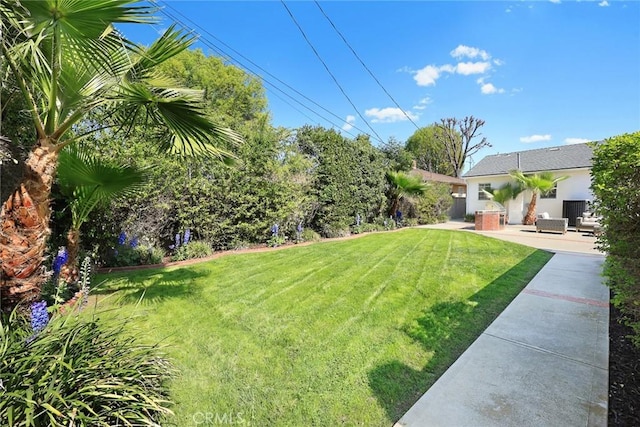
556, 225
588, 222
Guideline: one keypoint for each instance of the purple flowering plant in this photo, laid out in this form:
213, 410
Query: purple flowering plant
122, 238
60, 259
39, 316
187, 236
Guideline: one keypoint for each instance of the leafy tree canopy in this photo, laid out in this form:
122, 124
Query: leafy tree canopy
232, 96
428, 150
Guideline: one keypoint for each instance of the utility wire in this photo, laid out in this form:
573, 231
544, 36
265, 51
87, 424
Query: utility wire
364, 65
229, 58
304, 35
233, 60
248, 69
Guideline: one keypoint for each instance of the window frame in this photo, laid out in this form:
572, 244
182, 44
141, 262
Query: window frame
481, 194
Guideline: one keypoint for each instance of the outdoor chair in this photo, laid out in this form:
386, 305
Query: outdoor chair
556, 225
588, 222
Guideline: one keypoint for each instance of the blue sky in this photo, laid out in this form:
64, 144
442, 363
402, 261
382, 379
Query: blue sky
540, 73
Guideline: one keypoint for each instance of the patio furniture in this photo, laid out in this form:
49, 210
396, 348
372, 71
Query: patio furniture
556, 225
587, 222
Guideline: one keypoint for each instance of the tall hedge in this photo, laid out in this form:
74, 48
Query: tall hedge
616, 186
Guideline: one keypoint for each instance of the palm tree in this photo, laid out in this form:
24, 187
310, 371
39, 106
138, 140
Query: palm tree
404, 186
537, 183
89, 182
70, 65
508, 191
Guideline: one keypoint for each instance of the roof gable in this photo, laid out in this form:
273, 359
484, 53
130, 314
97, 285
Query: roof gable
574, 156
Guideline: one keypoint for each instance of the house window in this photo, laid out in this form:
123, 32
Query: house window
481, 194
551, 194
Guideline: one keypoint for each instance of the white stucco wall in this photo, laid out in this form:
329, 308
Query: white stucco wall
576, 187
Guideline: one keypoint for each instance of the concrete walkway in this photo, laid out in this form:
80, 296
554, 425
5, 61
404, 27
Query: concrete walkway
542, 362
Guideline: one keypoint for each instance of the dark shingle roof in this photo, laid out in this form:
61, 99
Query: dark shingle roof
542, 159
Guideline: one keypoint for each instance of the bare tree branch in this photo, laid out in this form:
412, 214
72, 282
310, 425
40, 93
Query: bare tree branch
457, 137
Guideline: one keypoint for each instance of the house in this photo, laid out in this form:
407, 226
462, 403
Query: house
458, 186
567, 200
458, 189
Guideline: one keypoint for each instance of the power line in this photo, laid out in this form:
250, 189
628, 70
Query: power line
248, 69
364, 65
229, 58
329, 71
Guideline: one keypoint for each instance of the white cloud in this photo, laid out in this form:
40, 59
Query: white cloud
555, 1
422, 104
603, 3
489, 88
405, 69
389, 115
463, 51
576, 140
448, 68
467, 68
535, 138
348, 123
428, 75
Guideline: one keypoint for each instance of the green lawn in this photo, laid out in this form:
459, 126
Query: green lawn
345, 332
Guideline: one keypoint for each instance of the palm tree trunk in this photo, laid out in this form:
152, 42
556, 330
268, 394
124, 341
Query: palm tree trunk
69, 271
530, 217
24, 221
394, 206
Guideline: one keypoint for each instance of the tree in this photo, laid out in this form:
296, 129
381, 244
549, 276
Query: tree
508, 191
429, 151
457, 138
404, 185
71, 65
396, 156
89, 182
231, 95
347, 179
536, 183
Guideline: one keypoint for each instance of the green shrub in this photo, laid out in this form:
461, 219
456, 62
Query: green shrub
616, 185
275, 241
308, 235
366, 227
125, 255
334, 230
79, 371
410, 222
194, 249
469, 218
434, 205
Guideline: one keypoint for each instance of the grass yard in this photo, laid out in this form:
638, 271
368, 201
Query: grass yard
345, 332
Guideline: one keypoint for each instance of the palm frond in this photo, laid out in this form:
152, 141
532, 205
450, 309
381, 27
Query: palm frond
190, 131
90, 181
407, 185
171, 43
542, 181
